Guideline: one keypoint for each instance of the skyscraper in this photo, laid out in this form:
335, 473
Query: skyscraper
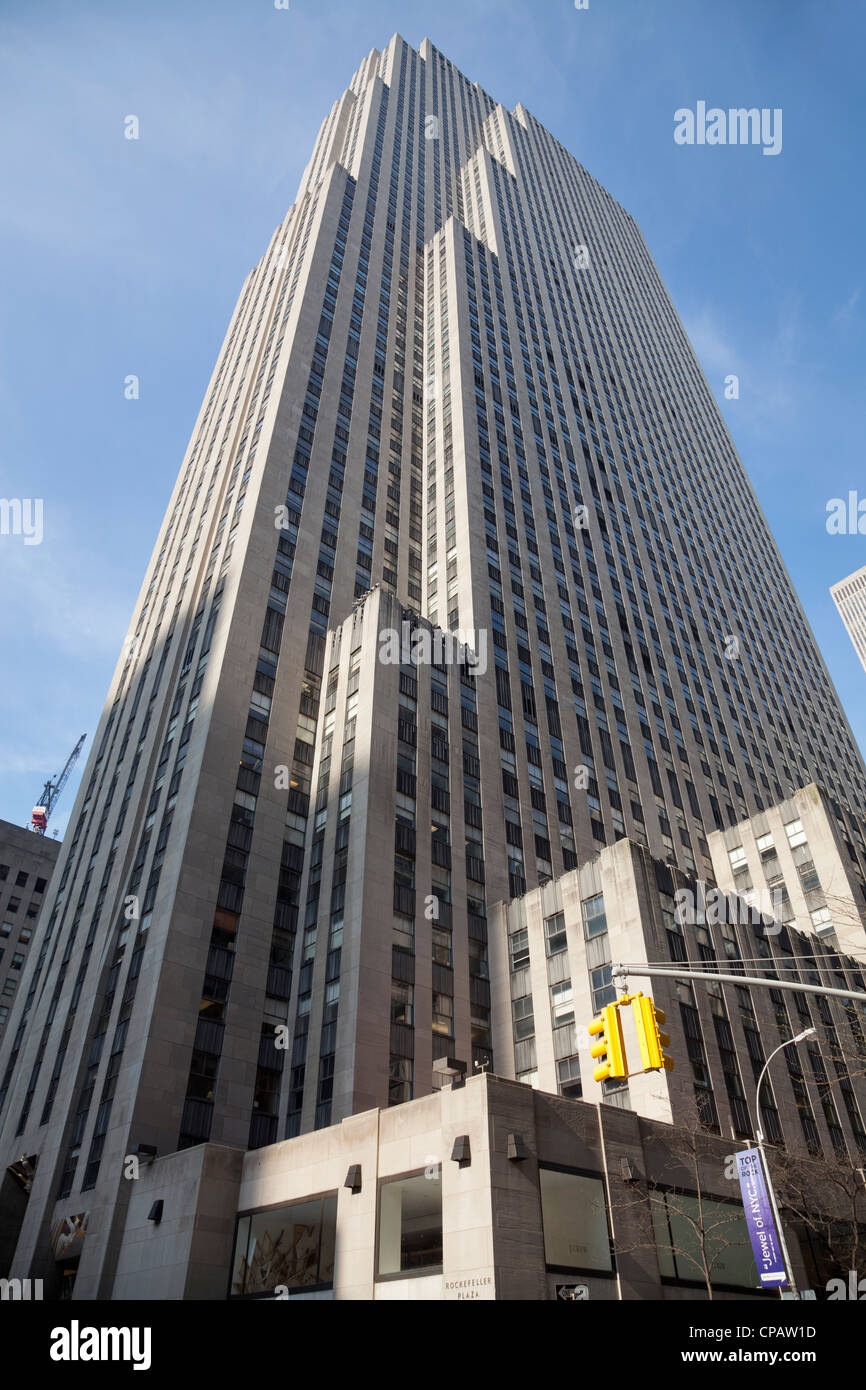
456, 378
849, 596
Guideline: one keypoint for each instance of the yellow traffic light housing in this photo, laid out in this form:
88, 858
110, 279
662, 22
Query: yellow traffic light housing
610, 1048
651, 1040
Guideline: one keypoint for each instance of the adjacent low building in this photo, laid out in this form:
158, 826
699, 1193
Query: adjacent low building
551, 956
26, 864
485, 1190
804, 861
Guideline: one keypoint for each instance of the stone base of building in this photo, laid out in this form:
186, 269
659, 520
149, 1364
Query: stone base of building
485, 1190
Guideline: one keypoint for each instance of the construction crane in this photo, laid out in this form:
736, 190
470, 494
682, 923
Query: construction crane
51, 791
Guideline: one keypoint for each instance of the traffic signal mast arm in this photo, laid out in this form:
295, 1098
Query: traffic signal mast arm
610, 1048
622, 972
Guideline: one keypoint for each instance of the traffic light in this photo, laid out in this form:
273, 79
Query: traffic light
651, 1041
610, 1048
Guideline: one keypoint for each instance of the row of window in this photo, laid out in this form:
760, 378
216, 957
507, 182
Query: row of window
21, 879
293, 1249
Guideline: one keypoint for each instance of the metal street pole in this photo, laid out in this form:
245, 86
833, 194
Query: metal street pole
759, 1137
687, 972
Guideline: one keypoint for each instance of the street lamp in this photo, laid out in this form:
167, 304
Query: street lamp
759, 1137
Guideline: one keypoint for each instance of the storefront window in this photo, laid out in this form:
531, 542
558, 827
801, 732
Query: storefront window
410, 1223
574, 1216
290, 1247
682, 1225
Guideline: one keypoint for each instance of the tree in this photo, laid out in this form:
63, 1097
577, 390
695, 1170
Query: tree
694, 1227
826, 1195
846, 912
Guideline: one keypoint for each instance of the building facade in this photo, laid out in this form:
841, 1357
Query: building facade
26, 864
804, 861
456, 375
393, 959
482, 1191
849, 596
551, 956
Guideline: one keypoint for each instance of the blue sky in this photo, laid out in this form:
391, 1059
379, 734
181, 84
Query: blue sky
124, 257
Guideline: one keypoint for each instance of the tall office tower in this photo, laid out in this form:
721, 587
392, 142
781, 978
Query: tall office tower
849, 596
456, 374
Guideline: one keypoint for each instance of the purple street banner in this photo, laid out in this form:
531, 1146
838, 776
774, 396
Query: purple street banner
759, 1217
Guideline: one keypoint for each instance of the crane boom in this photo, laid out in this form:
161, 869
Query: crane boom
52, 789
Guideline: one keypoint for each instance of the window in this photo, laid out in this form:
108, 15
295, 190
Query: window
574, 1217
594, 919
518, 945
410, 1223
13, 904
404, 934
202, 1075
441, 946
738, 859
603, 988
795, 833
17, 961
568, 1078
331, 1004
40, 885
402, 1003
399, 1080
528, 1078
554, 934
524, 1021
562, 1003
443, 1015
766, 848
290, 1247
678, 1225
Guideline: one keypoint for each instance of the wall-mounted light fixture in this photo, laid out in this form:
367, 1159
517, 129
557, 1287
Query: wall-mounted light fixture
460, 1151
517, 1149
353, 1178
